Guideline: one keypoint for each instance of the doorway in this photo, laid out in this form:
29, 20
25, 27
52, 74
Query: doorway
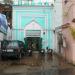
34, 43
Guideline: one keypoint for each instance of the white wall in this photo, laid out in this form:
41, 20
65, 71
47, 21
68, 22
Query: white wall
57, 19
57, 16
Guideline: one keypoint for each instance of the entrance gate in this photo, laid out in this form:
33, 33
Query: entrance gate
33, 40
35, 43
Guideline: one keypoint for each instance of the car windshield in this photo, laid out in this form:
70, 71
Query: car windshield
12, 44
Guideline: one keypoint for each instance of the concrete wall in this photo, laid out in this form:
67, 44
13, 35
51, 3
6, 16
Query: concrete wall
57, 20
68, 11
68, 16
69, 51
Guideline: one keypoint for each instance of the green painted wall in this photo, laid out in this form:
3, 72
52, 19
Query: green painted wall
42, 15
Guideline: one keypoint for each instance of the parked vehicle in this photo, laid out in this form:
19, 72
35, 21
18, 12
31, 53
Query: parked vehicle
13, 48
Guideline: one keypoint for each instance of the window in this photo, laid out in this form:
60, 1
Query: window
12, 44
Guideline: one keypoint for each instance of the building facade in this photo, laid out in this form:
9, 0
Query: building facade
68, 22
57, 22
33, 20
68, 10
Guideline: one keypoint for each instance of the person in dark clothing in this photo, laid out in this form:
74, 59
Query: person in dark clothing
29, 52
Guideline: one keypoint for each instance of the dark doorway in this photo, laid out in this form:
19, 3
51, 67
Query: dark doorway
34, 43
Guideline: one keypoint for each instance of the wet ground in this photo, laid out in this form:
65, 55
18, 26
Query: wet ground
36, 65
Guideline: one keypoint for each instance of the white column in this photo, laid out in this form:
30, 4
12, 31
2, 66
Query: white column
30, 2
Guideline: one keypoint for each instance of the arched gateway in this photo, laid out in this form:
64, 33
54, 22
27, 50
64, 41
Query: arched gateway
33, 24
33, 35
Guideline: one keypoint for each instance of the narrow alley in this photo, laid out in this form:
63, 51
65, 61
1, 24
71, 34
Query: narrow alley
37, 65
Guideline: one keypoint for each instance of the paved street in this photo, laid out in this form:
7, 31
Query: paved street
36, 65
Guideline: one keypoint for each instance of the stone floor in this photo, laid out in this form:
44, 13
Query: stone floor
36, 65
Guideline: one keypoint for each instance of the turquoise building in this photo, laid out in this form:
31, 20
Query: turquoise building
32, 22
